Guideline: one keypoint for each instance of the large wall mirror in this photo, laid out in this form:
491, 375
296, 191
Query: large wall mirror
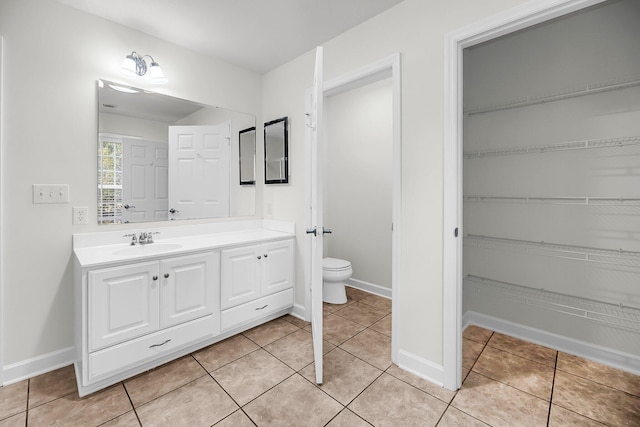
165, 158
276, 152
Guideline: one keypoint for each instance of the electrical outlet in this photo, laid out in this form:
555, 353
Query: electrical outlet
50, 193
80, 215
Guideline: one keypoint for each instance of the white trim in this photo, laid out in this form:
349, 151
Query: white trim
299, 311
523, 16
382, 291
2, 376
384, 68
421, 367
606, 356
38, 365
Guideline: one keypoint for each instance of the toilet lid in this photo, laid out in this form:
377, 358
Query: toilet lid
335, 264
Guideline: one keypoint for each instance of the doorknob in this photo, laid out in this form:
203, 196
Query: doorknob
173, 210
326, 230
312, 231
129, 206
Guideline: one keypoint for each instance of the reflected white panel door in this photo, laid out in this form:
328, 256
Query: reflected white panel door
199, 171
315, 223
144, 180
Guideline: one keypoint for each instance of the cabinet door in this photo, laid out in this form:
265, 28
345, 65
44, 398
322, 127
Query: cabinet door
278, 267
123, 303
240, 275
189, 285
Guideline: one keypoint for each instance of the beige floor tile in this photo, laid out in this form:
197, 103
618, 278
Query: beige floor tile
163, 379
596, 401
18, 420
221, 353
296, 321
328, 308
523, 374
130, 419
424, 385
476, 333
372, 347
524, 349
13, 399
561, 417
391, 402
599, 373
354, 294
294, 402
237, 419
383, 325
199, 403
344, 376
270, 331
251, 375
346, 418
378, 302
456, 418
498, 404
92, 410
470, 352
296, 349
361, 313
52, 385
337, 330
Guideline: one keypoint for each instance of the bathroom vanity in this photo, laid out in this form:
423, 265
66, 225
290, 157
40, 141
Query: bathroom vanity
140, 305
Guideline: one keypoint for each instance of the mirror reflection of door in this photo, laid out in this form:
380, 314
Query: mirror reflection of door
144, 180
247, 143
276, 151
199, 171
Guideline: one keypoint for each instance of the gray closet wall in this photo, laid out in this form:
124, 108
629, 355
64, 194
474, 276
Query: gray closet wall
552, 177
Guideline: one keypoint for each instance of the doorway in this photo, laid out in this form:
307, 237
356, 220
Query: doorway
385, 69
516, 19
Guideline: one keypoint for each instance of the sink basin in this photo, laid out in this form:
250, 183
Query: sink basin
148, 249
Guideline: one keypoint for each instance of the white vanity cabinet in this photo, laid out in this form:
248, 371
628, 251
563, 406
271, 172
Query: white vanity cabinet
137, 307
256, 280
139, 312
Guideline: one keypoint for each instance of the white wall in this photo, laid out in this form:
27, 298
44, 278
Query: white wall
53, 56
594, 46
416, 29
358, 178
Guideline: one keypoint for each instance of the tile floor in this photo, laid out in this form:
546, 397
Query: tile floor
264, 376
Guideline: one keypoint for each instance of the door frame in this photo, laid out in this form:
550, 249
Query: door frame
388, 67
509, 21
1, 214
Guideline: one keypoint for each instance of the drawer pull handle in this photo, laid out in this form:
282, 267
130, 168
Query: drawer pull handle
159, 345
263, 307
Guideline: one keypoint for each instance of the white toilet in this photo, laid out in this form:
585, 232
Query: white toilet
335, 272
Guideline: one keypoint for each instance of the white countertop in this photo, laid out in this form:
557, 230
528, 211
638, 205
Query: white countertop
103, 255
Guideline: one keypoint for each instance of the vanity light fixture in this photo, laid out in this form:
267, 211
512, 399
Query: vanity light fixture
134, 65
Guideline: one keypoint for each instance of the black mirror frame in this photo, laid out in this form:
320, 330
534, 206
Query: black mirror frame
285, 179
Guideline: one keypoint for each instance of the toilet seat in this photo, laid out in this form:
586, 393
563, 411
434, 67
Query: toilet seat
335, 264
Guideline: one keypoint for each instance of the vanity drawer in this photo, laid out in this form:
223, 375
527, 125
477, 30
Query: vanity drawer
256, 309
124, 355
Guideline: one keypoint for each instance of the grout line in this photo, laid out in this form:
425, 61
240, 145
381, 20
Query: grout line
553, 383
26, 417
132, 405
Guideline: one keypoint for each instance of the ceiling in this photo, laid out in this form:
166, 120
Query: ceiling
258, 35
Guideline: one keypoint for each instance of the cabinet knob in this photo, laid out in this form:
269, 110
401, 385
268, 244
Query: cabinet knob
155, 277
259, 257
166, 275
266, 255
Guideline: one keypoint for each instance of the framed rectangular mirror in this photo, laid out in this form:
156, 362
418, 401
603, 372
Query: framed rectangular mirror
247, 138
165, 158
276, 151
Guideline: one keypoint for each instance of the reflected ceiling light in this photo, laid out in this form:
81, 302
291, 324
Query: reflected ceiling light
134, 65
122, 88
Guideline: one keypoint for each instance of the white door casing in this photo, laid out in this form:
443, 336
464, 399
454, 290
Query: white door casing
199, 171
315, 225
144, 180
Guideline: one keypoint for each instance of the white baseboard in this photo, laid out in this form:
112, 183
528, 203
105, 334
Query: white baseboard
606, 356
300, 312
370, 287
421, 367
38, 365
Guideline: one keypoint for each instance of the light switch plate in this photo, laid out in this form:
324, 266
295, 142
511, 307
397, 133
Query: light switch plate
50, 193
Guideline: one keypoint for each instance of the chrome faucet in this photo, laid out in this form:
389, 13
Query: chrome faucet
134, 239
143, 238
